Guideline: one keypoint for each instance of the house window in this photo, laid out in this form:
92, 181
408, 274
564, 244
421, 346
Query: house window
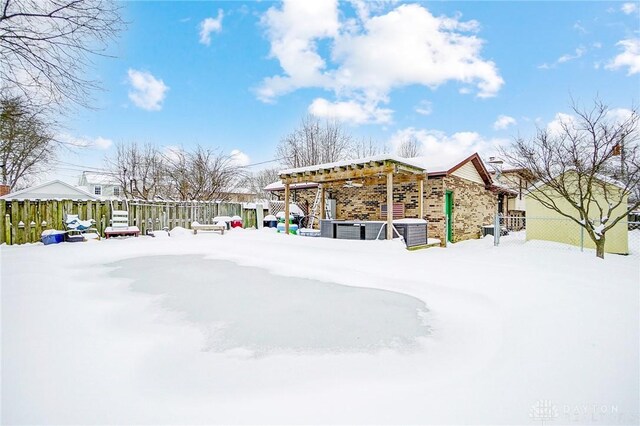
97, 190
116, 191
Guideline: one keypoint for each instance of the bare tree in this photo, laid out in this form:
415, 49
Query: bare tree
587, 167
26, 145
409, 148
365, 148
202, 174
139, 169
314, 142
47, 45
256, 182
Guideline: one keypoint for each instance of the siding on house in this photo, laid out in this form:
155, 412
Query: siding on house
468, 171
546, 224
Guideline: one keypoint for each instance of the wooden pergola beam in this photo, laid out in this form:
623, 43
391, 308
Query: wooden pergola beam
351, 171
390, 205
286, 208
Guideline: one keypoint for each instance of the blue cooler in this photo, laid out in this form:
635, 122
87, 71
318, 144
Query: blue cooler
52, 237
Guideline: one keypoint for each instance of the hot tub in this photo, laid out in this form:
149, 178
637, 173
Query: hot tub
414, 231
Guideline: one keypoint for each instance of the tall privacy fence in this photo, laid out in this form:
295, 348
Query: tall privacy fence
23, 221
564, 233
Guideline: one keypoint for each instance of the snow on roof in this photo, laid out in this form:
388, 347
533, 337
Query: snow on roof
382, 157
279, 186
100, 178
438, 165
600, 177
54, 189
239, 190
433, 165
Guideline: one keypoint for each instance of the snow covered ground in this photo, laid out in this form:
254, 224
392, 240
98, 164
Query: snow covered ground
110, 332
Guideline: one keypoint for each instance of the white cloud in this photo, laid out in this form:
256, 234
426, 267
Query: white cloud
350, 111
239, 158
579, 27
85, 142
293, 31
444, 148
503, 122
578, 53
619, 115
630, 56
173, 152
629, 8
147, 91
210, 25
370, 56
424, 108
560, 120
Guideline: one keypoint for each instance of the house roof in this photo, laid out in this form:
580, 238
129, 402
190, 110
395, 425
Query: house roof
432, 166
54, 189
93, 178
600, 177
279, 186
438, 168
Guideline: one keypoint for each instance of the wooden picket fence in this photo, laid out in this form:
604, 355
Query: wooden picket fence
23, 221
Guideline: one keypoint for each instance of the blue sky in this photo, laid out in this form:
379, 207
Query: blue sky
457, 76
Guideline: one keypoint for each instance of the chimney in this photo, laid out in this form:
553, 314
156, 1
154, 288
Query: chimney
4, 189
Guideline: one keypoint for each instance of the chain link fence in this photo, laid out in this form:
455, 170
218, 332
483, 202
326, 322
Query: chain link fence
563, 233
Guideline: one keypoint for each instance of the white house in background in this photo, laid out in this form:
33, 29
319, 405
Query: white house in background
55, 189
101, 185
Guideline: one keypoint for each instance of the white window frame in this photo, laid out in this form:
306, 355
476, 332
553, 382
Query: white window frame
97, 190
116, 191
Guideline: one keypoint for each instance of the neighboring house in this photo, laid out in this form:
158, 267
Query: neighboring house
459, 190
239, 195
510, 183
102, 185
55, 189
549, 225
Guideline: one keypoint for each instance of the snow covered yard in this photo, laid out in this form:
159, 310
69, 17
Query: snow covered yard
109, 332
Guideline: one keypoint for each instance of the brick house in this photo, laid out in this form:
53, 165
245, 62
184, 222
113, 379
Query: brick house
462, 190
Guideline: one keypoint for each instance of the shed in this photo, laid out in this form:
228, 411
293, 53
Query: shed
548, 225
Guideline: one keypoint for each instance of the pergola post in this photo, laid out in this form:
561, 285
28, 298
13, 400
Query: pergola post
286, 209
323, 206
389, 205
421, 197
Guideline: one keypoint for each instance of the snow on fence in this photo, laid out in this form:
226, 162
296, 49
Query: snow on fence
23, 221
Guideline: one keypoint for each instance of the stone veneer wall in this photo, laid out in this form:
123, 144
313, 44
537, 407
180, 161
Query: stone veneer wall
364, 203
473, 206
434, 208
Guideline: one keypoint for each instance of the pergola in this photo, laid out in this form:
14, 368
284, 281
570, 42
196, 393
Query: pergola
377, 166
